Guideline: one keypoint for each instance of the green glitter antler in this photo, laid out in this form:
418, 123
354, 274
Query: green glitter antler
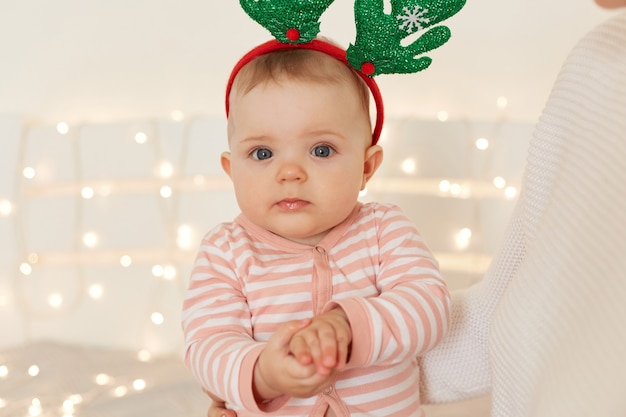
289, 21
378, 49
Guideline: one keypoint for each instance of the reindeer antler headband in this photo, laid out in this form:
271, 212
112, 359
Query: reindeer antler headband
377, 48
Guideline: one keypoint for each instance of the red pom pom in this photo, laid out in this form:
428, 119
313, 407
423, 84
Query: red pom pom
293, 34
368, 68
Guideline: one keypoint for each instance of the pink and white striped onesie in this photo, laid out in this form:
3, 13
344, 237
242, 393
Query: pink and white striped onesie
247, 281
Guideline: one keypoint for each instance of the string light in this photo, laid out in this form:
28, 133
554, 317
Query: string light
502, 102
510, 192
4, 371
139, 384
177, 116
499, 182
166, 169
463, 238
28, 173
63, 128
35, 408
141, 138
103, 379
157, 318
482, 144
87, 193
409, 166
120, 391
184, 237
6, 207
169, 272
443, 116
33, 370
26, 269
96, 291
157, 270
144, 355
55, 300
126, 261
166, 191
90, 239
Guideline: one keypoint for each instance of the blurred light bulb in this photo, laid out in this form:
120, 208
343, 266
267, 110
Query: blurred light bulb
177, 116
126, 261
166, 170
184, 237
120, 391
139, 384
456, 189
482, 143
166, 191
502, 102
463, 238
444, 186
90, 239
25, 268
169, 272
28, 173
87, 193
63, 128
409, 166
141, 138
102, 379
499, 182
76, 398
157, 271
510, 192
55, 300
4, 371
33, 370
68, 407
6, 207
96, 291
144, 355
157, 318
443, 116
35, 408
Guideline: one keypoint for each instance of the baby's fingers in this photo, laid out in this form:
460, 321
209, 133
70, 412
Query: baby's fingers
300, 350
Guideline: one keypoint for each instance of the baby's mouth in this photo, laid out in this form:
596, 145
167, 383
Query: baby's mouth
292, 204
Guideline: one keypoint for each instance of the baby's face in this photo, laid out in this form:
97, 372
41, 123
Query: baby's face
297, 155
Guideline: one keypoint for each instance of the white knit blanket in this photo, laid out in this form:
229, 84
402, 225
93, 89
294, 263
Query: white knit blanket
547, 326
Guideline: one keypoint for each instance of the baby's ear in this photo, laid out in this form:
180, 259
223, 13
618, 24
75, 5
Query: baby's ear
225, 160
373, 159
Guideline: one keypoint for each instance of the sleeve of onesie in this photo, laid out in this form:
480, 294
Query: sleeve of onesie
219, 349
411, 313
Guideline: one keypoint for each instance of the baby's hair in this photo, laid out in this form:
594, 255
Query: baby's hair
300, 65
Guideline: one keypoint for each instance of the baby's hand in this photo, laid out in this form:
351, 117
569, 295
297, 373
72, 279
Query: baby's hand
277, 372
325, 342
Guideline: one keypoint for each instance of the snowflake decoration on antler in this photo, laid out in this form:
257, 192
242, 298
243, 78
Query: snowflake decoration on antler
413, 19
378, 47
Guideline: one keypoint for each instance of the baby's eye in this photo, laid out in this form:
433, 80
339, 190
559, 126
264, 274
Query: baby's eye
322, 151
261, 154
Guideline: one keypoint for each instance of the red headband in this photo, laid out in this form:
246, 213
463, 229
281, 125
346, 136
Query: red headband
316, 45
